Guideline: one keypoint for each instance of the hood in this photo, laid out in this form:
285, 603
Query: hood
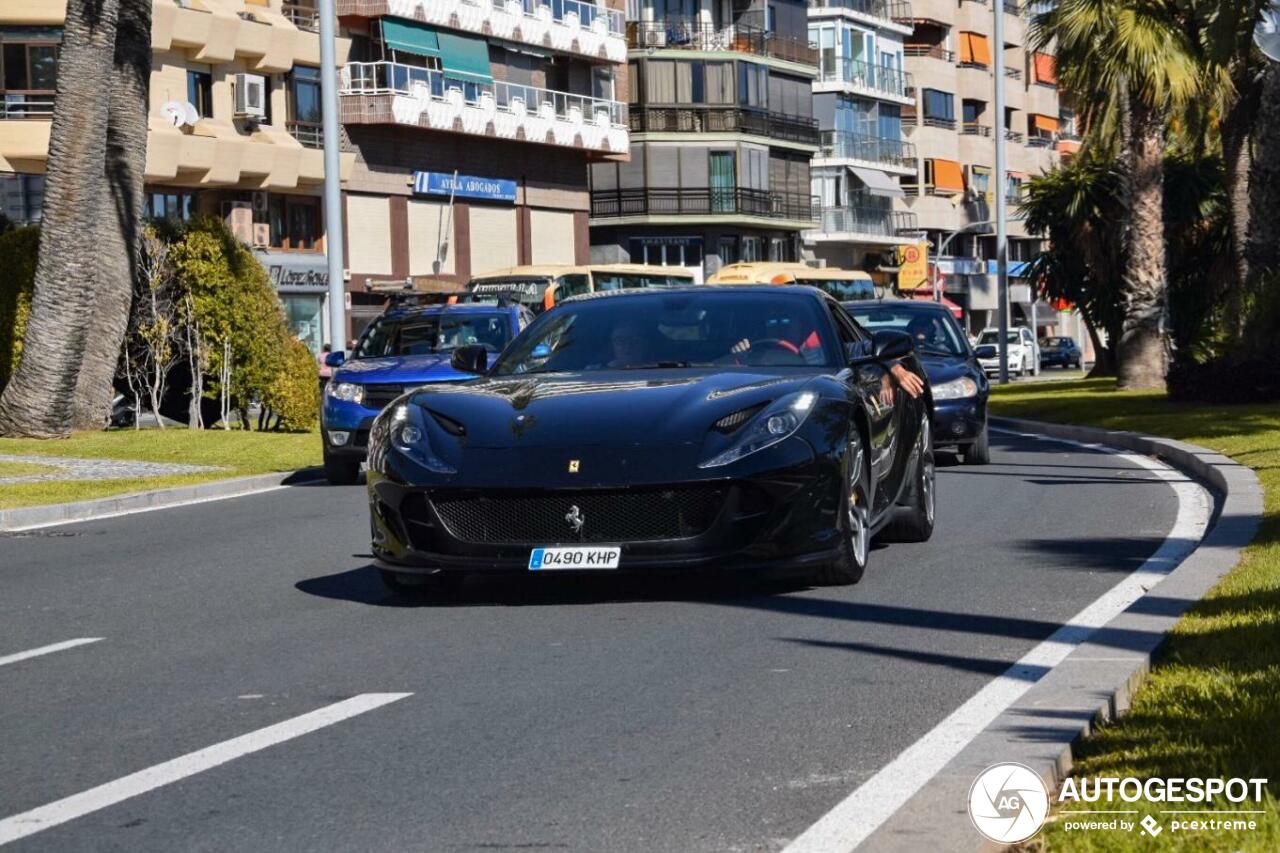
616, 407
401, 370
942, 369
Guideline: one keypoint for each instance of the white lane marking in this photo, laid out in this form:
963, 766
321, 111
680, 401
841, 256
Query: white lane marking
136, 510
78, 805
858, 815
50, 649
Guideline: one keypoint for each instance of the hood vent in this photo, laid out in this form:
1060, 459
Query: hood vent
729, 423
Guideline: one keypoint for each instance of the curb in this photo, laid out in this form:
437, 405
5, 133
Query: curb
26, 518
1097, 680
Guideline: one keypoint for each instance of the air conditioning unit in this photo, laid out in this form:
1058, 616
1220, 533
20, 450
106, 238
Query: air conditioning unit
261, 235
251, 96
239, 218
259, 202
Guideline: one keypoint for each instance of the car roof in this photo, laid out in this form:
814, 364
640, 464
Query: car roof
909, 304
461, 308
699, 289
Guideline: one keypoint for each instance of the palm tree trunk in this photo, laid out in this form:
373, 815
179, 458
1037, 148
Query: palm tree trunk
1237, 152
1141, 355
119, 236
39, 399
1264, 224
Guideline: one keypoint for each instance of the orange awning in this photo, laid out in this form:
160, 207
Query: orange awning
981, 49
1046, 68
947, 176
1048, 124
966, 49
1068, 146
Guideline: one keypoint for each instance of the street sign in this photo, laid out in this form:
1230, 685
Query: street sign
1267, 34
913, 266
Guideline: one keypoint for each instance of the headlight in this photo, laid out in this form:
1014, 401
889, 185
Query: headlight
408, 434
348, 391
956, 389
775, 423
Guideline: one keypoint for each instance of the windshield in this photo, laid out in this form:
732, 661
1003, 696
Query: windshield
845, 291
609, 280
932, 331
433, 333
656, 329
990, 337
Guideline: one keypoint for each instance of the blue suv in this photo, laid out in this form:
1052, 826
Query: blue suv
404, 348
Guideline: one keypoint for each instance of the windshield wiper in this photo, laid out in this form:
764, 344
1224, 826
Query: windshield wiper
658, 365
934, 351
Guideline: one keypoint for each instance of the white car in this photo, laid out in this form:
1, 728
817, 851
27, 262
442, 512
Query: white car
1023, 353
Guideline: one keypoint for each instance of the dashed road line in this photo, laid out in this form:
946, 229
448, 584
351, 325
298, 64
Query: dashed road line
48, 650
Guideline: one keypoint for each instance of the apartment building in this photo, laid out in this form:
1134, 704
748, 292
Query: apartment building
860, 94
950, 54
473, 123
233, 129
719, 101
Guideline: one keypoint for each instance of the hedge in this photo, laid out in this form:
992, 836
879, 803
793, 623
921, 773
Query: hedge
18, 251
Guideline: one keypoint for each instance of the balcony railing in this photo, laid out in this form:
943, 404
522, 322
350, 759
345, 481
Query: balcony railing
737, 38
18, 105
724, 120
973, 128
425, 97
864, 75
944, 123
871, 221
1013, 136
1040, 141
700, 201
1013, 73
563, 10
309, 133
931, 51
873, 149
884, 9
304, 16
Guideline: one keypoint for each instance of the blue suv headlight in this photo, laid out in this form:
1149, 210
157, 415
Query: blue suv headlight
350, 392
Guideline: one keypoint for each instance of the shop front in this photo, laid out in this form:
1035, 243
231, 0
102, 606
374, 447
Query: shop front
301, 281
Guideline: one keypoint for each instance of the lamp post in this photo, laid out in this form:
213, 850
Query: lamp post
1002, 236
333, 243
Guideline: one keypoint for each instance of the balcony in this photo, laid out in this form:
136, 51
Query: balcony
701, 202
304, 16
943, 123
973, 128
1013, 73
934, 51
735, 38
571, 26
882, 151
392, 93
874, 80
869, 224
309, 134
1040, 140
881, 10
776, 126
25, 104
1013, 136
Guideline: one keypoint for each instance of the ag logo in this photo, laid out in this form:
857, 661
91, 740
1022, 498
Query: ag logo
1008, 803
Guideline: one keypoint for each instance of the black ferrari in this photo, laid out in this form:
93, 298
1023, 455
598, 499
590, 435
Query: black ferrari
751, 428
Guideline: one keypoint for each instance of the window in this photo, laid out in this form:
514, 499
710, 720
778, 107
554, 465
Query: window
200, 92
28, 72
667, 251
572, 285
972, 110
753, 85
728, 247
752, 249
294, 221
939, 105
172, 206
980, 179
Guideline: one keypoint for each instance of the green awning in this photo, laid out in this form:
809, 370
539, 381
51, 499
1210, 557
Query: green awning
410, 36
465, 58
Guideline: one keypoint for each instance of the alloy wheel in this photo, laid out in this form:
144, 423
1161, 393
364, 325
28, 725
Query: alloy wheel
858, 512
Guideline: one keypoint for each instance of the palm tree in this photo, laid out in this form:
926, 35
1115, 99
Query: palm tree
119, 238
1126, 64
38, 400
1264, 223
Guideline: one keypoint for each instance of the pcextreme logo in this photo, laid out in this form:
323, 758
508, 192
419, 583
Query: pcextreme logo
1008, 803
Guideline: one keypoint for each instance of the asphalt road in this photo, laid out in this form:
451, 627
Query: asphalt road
546, 713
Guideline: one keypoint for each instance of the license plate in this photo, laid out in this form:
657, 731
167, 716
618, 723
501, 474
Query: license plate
574, 557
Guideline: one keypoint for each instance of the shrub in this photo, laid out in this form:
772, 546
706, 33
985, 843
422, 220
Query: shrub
293, 394
18, 250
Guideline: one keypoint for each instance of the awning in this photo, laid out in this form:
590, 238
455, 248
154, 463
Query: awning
1049, 124
410, 37
878, 183
925, 294
1046, 68
465, 58
947, 176
981, 49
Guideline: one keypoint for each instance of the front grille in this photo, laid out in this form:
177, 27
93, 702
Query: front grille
608, 516
379, 396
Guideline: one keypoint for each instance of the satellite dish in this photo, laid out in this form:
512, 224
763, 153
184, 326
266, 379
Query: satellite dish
1267, 34
175, 112
193, 114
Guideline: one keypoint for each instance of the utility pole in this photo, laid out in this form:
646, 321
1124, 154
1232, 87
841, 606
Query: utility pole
333, 242
1002, 236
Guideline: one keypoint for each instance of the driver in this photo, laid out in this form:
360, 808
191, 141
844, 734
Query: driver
630, 342
923, 331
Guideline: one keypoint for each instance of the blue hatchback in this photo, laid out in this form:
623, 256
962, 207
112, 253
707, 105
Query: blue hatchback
956, 380
404, 348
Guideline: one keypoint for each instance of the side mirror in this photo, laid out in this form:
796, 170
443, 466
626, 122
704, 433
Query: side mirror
470, 359
887, 345
335, 359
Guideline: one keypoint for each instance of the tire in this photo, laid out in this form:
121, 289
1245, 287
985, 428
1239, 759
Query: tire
979, 452
855, 523
915, 524
341, 472
421, 586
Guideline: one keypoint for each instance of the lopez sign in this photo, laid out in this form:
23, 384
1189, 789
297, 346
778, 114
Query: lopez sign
467, 186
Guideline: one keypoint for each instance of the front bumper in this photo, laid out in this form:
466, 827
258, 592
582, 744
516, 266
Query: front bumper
959, 421
351, 418
783, 520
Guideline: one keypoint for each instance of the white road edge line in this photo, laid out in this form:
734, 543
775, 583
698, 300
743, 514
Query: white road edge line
49, 649
857, 816
55, 813
141, 509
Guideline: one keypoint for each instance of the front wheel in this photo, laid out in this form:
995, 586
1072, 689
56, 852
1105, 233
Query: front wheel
855, 522
979, 452
915, 522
